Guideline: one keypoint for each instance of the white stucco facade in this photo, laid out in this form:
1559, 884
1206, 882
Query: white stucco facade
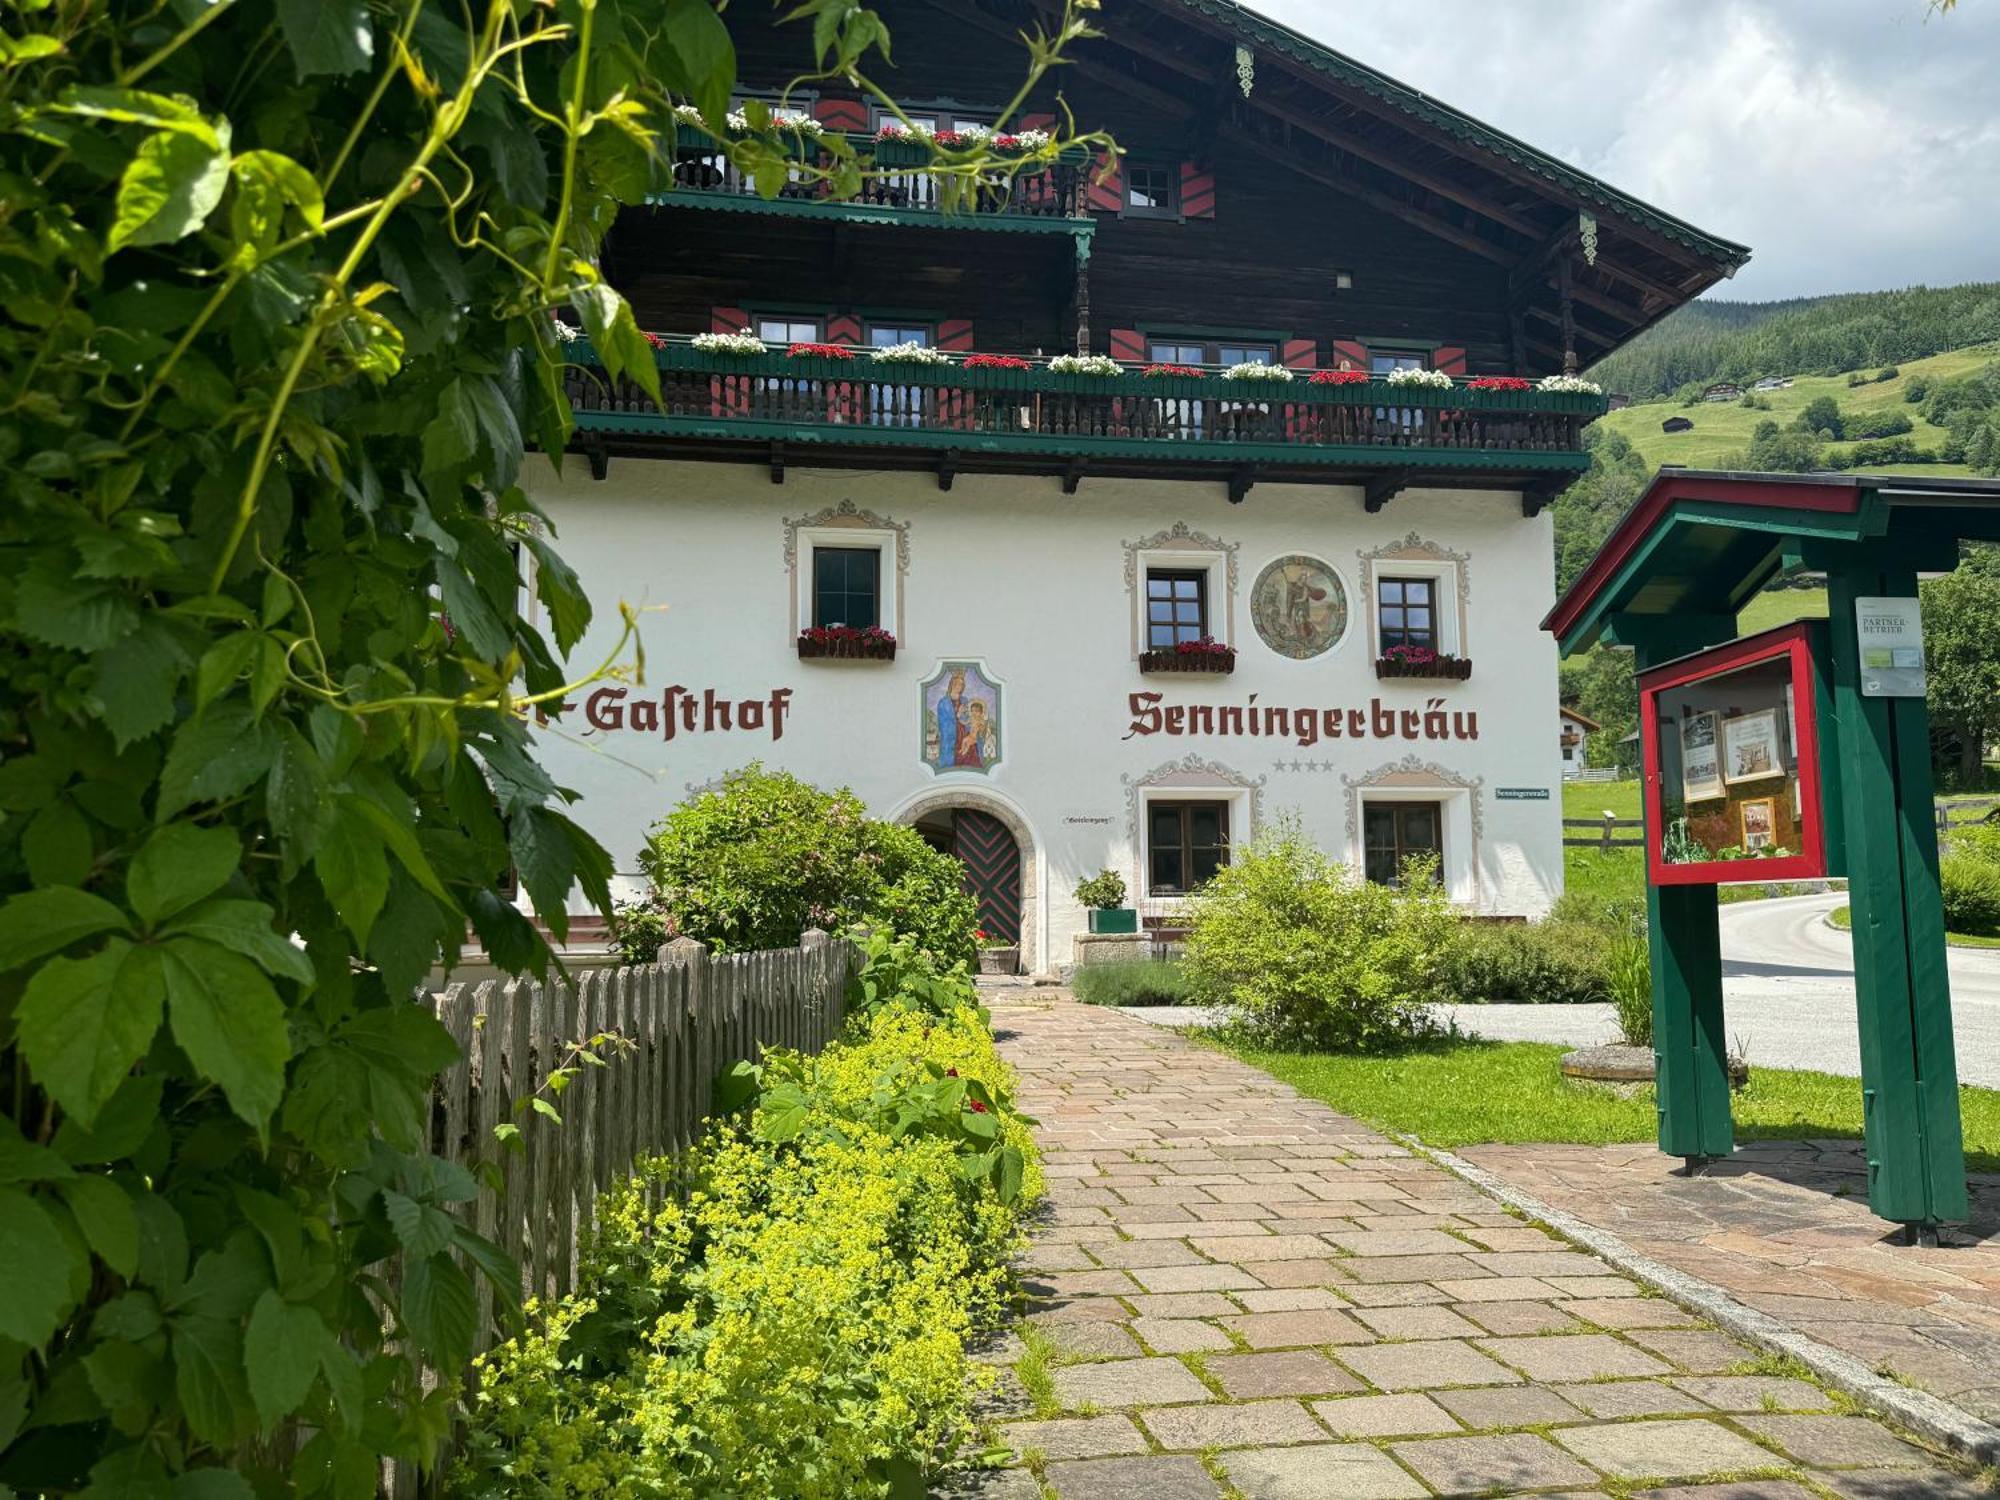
1044, 593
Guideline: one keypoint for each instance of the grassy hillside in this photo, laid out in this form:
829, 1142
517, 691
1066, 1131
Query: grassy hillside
1721, 340
1723, 428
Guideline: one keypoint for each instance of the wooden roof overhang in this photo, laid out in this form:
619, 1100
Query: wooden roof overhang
1699, 543
1341, 124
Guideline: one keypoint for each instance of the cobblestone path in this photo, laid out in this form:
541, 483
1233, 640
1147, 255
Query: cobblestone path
1240, 1293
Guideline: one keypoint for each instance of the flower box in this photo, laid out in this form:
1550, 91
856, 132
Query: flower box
1398, 662
1114, 919
846, 643
1189, 656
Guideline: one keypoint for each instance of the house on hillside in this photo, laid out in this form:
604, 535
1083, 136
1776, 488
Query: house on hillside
1064, 621
1723, 390
1571, 728
1618, 401
1774, 383
1677, 424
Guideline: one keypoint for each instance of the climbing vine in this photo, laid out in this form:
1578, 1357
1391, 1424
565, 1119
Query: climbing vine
279, 278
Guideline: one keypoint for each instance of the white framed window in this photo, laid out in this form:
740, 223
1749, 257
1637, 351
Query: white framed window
1177, 590
1186, 834
1416, 601
1392, 823
847, 575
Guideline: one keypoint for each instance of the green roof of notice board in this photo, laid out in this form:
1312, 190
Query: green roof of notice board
1261, 31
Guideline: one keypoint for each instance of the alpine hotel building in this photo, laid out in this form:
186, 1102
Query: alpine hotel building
1105, 617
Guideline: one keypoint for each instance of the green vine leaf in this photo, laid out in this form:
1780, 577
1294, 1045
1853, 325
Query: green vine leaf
326, 36
229, 1021
281, 1355
178, 866
83, 1022
36, 923
41, 1264
172, 184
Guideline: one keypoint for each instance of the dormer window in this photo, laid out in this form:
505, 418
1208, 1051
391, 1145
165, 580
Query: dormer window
1151, 191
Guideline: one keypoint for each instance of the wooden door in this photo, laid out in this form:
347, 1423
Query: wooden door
992, 863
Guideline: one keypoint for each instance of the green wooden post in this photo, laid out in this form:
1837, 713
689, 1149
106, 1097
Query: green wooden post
1909, 1068
1690, 1048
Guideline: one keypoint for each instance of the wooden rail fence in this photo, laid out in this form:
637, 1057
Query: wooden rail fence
1602, 837
682, 1022
1961, 812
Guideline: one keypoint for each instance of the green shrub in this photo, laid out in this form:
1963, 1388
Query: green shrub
639, 929
1624, 911
1134, 982
1308, 955
1971, 889
1879, 424
1528, 963
1629, 975
1102, 891
1979, 840
756, 861
797, 1324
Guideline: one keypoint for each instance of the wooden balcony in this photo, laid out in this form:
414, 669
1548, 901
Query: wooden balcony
881, 414
1049, 199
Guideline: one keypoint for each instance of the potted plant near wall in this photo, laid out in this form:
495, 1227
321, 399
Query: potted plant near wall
1204, 655
997, 955
1104, 894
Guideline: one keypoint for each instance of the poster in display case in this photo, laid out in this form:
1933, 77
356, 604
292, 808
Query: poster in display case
1730, 743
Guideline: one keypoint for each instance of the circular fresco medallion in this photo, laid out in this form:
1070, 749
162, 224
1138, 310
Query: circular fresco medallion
1299, 607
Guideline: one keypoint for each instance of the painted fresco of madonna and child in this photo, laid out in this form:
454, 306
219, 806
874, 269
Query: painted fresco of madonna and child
961, 709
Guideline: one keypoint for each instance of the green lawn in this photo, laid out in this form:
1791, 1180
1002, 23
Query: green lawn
1777, 607
1463, 1093
1722, 429
1843, 917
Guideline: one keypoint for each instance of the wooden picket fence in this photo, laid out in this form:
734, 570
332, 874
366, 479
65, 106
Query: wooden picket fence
680, 1023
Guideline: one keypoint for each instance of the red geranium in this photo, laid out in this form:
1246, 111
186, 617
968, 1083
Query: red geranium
1206, 646
996, 362
819, 351
835, 635
1186, 372
1338, 377
1499, 383
656, 341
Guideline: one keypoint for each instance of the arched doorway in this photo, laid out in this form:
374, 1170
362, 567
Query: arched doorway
997, 850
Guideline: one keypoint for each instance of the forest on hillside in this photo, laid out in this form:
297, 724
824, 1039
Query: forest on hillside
1719, 340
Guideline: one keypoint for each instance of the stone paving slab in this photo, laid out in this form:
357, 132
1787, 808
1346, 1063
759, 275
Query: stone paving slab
1237, 1287
1784, 1227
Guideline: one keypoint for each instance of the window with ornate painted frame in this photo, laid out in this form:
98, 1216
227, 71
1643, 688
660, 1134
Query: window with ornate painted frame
847, 529
1394, 833
1187, 841
1190, 554
1415, 559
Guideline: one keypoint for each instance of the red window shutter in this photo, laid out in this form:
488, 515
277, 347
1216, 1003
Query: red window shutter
1350, 354
1107, 184
841, 114
1450, 359
1043, 121
1197, 192
954, 335
1128, 344
728, 320
728, 395
843, 328
1299, 354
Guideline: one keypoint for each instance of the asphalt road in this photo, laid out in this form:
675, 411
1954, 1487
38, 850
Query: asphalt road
1788, 997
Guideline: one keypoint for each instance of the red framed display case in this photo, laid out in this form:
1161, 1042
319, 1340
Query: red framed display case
1730, 744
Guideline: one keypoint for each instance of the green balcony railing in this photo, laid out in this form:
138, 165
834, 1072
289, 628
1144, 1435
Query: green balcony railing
900, 178
862, 401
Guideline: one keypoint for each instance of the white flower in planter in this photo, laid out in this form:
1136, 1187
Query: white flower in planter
1085, 364
1429, 380
911, 353
1251, 370
1569, 385
727, 343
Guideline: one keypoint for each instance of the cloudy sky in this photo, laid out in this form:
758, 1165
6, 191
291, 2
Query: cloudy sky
1852, 144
